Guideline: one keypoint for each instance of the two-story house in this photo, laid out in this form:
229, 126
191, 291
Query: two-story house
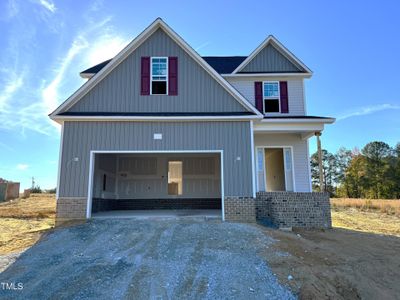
160, 127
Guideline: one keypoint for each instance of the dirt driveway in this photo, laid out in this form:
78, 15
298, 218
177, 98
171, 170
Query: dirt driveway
169, 259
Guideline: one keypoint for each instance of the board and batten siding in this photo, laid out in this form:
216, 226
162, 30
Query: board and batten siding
79, 138
300, 158
119, 91
245, 86
270, 60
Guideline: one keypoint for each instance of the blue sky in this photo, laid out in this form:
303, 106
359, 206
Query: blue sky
352, 47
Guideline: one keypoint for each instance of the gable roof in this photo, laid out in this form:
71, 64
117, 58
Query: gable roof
271, 40
122, 55
88, 73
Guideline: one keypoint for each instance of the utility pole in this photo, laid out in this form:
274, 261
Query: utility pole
321, 175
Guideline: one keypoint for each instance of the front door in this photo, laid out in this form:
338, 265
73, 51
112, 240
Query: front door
274, 169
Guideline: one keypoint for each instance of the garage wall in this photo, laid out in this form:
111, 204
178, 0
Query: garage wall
146, 176
79, 138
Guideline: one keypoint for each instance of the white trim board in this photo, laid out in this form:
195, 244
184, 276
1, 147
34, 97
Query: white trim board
258, 75
155, 118
59, 161
121, 56
253, 169
92, 163
279, 47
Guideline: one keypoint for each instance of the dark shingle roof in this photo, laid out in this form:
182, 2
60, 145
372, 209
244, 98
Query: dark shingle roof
95, 69
221, 64
224, 64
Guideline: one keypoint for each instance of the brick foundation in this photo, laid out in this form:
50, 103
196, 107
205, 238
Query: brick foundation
70, 209
289, 209
240, 209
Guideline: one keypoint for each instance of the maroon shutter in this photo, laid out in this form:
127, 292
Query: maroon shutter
145, 76
172, 76
284, 97
258, 96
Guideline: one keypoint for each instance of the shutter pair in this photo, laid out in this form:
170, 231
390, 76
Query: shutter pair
258, 90
172, 76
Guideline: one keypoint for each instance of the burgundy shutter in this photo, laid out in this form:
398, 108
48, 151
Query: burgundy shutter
284, 97
145, 76
258, 96
172, 76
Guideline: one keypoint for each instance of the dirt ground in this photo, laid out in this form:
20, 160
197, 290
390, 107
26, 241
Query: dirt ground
359, 258
23, 221
337, 264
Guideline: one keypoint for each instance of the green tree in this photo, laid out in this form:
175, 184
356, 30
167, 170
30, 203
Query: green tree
329, 170
354, 177
379, 170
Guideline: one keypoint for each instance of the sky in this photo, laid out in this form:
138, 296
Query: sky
351, 46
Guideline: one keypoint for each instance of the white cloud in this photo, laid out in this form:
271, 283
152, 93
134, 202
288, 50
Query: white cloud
367, 110
50, 92
24, 105
13, 83
101, 44
12, 9
205, 44
47, 4
22, 167
105, 47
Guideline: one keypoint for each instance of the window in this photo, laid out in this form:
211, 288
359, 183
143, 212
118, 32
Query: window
271, 97
159, 75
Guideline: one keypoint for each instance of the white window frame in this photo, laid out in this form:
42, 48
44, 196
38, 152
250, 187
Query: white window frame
272, 98
151, 75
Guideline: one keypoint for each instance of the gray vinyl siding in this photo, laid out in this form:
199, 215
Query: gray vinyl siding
300, 155
79, 138
245, 86
268, 60
119, 91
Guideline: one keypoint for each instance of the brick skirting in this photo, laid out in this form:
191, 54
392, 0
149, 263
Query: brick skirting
70, 209
282, 209
240, 209
290, 209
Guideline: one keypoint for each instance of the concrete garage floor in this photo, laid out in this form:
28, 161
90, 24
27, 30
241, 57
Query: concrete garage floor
157, 214
143, 259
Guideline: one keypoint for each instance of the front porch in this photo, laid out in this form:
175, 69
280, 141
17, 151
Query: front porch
282, 209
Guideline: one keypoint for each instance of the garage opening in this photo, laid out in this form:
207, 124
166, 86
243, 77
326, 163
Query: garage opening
188, 183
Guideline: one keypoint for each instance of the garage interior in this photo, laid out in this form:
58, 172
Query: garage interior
156, 183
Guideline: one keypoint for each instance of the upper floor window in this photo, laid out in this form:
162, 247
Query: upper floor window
159, 75
271, 97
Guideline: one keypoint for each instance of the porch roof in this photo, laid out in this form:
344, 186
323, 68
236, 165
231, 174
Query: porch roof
306, 126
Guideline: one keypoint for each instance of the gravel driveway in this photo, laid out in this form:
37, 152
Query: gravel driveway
163, 259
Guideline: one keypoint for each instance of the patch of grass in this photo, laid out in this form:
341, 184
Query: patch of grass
372, 221
389, 207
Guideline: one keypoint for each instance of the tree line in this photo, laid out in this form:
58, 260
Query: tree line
373, 172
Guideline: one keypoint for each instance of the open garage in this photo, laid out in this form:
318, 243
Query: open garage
143, 181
